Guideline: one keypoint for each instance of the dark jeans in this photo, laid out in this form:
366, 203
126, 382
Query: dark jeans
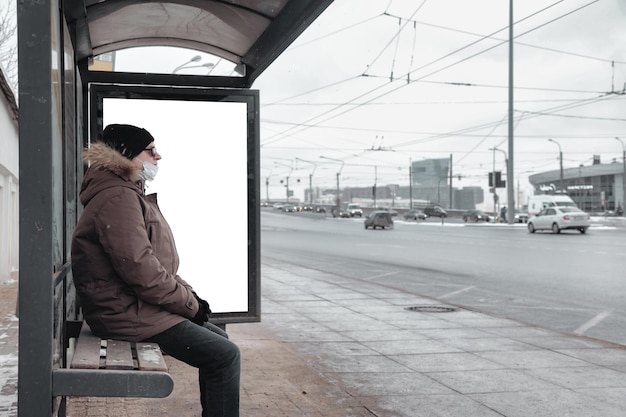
218, 360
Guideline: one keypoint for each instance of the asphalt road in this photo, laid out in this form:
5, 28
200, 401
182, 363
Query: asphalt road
567, 282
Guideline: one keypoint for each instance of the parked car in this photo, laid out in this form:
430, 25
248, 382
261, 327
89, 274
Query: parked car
435, 211
415, 214
380, 218
559, 218
521, 216
476, 216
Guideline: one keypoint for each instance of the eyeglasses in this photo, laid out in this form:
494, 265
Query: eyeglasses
152, 150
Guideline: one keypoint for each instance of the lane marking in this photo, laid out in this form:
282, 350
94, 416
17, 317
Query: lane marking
381, 275
462, 290
593, 322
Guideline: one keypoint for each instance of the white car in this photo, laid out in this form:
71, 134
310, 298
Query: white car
559, 218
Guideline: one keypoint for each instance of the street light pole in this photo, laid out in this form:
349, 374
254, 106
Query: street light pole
286, 179
560, 161
338, 200
506, 162
196, 58
310, 179
624, 174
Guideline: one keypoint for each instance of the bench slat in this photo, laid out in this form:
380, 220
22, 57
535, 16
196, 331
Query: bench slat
118, 355
149, 357
87, 353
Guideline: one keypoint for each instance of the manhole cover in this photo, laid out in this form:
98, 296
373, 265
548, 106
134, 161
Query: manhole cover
432, 309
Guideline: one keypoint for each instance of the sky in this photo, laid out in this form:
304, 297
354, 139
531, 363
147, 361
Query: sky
377, 86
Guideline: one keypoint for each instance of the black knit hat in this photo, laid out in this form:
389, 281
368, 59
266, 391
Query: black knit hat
128, 140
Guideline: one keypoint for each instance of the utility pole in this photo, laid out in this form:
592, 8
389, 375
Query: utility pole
338, 201
411, 184
450, 197
624, 174
509, 168
560, 163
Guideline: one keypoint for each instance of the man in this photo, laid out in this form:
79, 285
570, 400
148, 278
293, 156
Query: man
124, 264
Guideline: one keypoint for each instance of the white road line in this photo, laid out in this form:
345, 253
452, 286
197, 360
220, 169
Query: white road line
462, 290
594, 321
381, 275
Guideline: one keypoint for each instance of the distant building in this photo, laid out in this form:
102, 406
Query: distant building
429, 179
594, 188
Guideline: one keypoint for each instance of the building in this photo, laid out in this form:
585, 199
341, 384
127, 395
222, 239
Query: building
594, 188
9, 181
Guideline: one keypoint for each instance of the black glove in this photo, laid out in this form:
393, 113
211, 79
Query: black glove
204, 311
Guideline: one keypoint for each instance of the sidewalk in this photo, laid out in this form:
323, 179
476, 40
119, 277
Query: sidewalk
335, 347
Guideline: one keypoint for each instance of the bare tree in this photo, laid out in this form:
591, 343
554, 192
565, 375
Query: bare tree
8, 43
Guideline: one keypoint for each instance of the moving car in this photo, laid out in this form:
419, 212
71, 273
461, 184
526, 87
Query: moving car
341, 213
380, 218
559, 218
435, 211
475, 216
415, 214
353, 210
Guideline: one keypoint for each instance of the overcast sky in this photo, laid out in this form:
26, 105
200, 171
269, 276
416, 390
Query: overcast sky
388, 82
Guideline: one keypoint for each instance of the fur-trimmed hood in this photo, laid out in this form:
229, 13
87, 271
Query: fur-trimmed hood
100, 155
108, 168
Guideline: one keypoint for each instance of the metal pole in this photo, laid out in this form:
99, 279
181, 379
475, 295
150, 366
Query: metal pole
338, 174
375, 183
311, 189
450, 196
410, 185
561, 165
493, 181
510, 169
338, 199
560, 162
624, 173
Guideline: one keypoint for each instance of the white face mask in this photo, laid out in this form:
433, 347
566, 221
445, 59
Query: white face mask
149, 171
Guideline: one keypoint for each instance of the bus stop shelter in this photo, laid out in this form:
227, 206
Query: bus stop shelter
61, 96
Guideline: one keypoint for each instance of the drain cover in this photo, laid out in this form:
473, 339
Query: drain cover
432, 309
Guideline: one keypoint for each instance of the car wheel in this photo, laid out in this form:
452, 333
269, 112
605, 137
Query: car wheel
531, 228
583, 230
365, 226
555, 229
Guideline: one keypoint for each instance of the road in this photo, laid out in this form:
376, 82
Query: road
568, 282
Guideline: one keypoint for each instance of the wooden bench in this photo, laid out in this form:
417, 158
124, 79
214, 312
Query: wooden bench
113, 368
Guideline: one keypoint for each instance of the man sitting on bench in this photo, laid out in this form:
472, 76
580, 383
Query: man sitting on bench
124, 264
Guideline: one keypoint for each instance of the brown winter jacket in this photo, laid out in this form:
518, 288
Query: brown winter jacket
124, 259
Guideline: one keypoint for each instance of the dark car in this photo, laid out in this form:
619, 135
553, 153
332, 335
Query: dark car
435, 211
341, 213
415, 214
380, 219
476, 216
319, 209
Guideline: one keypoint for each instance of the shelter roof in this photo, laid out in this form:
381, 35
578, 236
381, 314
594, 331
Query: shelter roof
249, 33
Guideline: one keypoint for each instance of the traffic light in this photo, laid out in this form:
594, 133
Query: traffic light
499, 183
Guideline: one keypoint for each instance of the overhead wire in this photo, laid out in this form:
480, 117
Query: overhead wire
430, 74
